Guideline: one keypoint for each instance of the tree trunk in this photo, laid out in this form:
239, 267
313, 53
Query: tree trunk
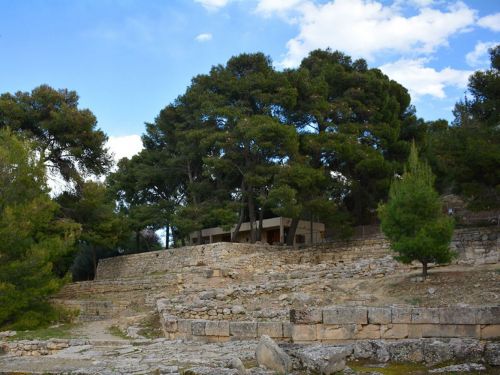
236, 231
291, 231
311, 228
94, 261
234, 235
251, 216
138, 240
424, 269
261, 223
167, 236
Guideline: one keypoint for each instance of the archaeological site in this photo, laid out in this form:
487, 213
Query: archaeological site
229, 308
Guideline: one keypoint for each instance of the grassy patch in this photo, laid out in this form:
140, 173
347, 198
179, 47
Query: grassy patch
389, 368
116, 331
151, 327
415, 301
61, 331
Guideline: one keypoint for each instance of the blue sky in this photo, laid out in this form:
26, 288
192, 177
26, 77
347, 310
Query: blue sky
128, 59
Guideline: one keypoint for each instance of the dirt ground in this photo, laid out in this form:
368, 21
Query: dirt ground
449, 285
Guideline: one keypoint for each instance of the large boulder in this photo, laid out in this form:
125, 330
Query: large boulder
323, 359
272, 357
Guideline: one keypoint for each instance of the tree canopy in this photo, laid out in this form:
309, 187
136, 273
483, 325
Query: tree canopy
65, 135
246, 141
33, 235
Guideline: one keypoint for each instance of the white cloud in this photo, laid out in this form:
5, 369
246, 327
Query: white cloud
364, 28
269, 7
491, 22
124, 147
421, 80
205, 37
479, 57
212, 4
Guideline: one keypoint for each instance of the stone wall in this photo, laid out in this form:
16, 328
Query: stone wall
92, 310
473, 245
346, 323
37, 348
477, 245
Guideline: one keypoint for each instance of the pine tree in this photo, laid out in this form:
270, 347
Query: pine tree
413, 220
32, 237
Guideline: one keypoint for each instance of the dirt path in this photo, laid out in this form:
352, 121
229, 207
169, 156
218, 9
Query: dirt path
98, 330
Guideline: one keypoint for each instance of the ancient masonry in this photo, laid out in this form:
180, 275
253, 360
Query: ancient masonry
194, 288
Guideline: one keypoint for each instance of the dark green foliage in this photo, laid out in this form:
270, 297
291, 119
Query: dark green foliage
413, 220
467, 155
248, 142
66, 136
102, 227
33, 238
356, 122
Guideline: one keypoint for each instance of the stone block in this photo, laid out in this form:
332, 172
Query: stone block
243, 329
457, 315
169, 323
394, 331
345, 315
367, 331
287, 330
269, 355
306, 316
379, 315
184, 326
271, 329
217, 328
491, 331
336, 332
488, 315
423, 315
304, 332
198, 327
401, 315
449, 330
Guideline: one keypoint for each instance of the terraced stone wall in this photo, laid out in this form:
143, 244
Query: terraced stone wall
347, 323
473, 245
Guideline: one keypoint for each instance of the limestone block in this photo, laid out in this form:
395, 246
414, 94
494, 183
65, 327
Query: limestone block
457, 315
306, 316
271, 329
287, 330
217, 328
367, 331
488, 315
394, 331
321, 359
345, 315
243, 329
198, 327
336, 332
379, 315
184, 326
401, 314
491, 331
271, 356
169, 323
449, 330
304, 332
420, 315
414, 331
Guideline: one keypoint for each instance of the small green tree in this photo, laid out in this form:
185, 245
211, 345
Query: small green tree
413, 220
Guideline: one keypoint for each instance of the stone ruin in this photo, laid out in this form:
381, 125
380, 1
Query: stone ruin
306, 300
